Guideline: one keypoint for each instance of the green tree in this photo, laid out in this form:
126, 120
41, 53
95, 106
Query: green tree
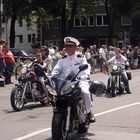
66, 10
45, 11
119, 8
16, 9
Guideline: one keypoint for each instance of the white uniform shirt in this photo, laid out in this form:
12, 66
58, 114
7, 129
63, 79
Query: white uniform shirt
71, 64
120, 60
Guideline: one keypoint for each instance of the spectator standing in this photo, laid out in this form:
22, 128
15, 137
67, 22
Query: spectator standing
94, 56
88, 56
136, 57
110, 52
130, 55
102, 56
56, 56
51, 49
9, 62
2, 63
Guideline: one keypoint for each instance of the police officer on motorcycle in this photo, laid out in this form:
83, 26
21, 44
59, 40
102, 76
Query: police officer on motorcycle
120, 59
70, 64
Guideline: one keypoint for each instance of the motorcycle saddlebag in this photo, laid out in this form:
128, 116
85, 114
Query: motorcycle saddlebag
97, 88
129, 76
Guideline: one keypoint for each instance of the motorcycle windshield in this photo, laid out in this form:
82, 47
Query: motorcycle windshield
57, 84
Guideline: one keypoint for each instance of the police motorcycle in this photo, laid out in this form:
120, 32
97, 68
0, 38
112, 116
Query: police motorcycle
28, 88
69, 112
116, 85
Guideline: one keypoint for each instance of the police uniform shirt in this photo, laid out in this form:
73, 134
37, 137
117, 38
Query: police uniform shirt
70, 64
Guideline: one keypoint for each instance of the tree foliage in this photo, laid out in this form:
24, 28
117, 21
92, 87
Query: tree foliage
120, 8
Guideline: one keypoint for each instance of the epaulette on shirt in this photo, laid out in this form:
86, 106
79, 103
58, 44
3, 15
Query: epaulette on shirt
79, 55
64, 56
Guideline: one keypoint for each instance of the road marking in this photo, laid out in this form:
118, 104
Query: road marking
115, 109
98, 114
33, 134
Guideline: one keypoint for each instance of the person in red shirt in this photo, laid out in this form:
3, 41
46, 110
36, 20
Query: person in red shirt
2, 63
9, 62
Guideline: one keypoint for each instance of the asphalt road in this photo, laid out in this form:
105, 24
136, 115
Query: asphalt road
116, 118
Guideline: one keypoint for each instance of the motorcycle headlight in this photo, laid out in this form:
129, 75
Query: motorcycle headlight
68, 90
51, 90
115, 67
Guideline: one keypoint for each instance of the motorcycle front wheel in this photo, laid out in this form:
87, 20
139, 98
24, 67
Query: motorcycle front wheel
83, 128
59, 127
113, 87
17, 102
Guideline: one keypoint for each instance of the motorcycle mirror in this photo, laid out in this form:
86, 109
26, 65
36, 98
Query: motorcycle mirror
83, 67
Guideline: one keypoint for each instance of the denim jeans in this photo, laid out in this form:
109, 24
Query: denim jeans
8, 73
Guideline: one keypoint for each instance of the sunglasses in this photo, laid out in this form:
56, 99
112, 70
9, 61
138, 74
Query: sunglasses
69, 45
43, 50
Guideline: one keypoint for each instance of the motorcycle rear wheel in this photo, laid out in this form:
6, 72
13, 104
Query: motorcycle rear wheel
17, 102
58, 127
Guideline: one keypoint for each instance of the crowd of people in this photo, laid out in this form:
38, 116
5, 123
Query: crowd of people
95, 56
69, 59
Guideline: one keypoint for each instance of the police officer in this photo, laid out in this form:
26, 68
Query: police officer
70, 63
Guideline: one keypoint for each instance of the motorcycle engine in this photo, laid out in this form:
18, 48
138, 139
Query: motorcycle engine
36, 92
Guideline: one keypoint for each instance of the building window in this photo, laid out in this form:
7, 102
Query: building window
38, 37
126, 21
48, 26
83, 21
77, 22
29, 38
20, 38
20, 23
33, 38
91, 21
58, 24
80, 22
105, 20
101, 20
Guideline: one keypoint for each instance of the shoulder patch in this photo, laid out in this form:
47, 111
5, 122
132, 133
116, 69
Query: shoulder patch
79, 55
64, 56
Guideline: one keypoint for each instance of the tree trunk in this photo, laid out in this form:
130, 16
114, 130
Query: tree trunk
71, 21
110, 23
63, 29
12, 32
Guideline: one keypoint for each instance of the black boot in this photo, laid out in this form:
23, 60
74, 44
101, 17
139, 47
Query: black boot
127, 90
91, 117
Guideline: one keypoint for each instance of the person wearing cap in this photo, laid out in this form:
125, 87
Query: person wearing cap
70, 63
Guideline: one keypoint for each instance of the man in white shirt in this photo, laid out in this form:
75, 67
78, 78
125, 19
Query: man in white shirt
102, 56
119, 58
70, 63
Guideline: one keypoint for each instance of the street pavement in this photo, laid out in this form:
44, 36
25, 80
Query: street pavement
116, 118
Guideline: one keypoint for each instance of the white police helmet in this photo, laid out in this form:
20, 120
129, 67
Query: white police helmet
71, 41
